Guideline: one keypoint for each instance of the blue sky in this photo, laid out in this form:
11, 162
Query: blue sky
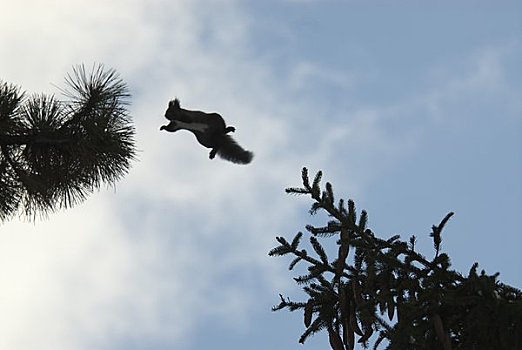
411, 108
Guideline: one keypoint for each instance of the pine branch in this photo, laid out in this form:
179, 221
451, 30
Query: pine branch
437, 231
318, 248
55, 153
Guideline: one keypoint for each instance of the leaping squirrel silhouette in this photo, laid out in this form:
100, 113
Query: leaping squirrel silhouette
210, 131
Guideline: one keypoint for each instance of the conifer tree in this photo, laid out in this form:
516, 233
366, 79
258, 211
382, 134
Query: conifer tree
385, 292
54, 153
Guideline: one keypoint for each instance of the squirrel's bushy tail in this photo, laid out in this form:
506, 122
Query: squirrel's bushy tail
230, 150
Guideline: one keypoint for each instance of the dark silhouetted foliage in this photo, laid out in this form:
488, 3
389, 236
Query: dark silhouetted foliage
385, 292
54, 153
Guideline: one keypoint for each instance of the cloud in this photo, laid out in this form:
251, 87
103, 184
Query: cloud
143, 263
306, 74
486, 80
59, 273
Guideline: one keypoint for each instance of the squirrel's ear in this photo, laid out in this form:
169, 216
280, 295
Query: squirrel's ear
174, 104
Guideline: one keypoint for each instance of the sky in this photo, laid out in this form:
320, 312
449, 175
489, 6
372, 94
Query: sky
410, 108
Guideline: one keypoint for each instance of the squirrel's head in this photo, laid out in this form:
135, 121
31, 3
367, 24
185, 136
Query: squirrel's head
172, 114
173, 110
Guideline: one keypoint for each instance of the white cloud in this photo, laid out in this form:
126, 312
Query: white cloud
484, 79
57, 274
306, 74
144, 262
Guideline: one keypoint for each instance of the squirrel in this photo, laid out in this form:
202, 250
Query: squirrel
210, 131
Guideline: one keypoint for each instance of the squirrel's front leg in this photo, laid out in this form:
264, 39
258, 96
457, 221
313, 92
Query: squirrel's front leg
230, 129
212, 153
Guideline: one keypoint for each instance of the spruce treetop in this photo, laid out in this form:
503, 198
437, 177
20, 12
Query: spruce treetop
386, 292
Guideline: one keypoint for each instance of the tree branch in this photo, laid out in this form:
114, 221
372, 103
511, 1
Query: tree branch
18, 140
